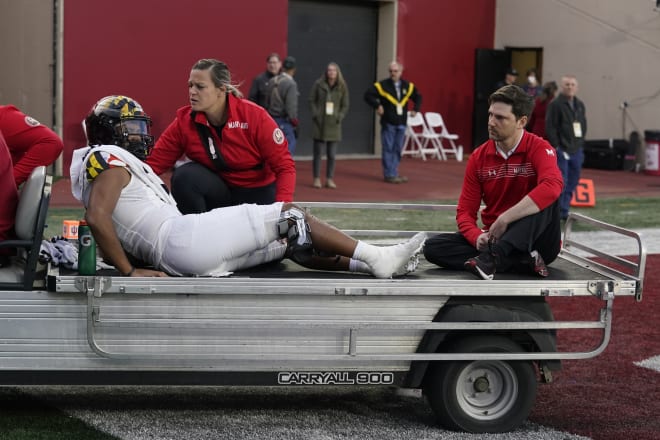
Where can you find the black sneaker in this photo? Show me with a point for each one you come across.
(538, 265)
(483, 266)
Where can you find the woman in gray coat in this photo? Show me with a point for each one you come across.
(329, 103)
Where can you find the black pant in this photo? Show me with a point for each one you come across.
(197, 189)
(540, 232)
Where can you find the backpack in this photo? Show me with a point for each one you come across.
(274, 101)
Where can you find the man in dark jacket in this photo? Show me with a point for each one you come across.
(260, 85)
(390, 98)
(281, 101)
(565, 127)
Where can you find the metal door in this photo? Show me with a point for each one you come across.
(490, 67)
(344, 32)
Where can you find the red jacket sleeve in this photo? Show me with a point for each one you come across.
(168, 149)
(8, 195)
(469, 203)
(275, 151)
(550, 182)
(30, 143)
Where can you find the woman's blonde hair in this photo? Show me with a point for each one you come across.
(340, 78)
(220, 74)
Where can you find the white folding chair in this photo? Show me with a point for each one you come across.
(419, 140)
(436, 125)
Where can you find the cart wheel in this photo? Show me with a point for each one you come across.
(482, 395)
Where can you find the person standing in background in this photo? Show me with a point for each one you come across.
(260, 84)
(510, 78)
(536, 122)
(329, 104)
(390, 98)
(282, 102)
(30, 143)
(566, 127)
(532, 86)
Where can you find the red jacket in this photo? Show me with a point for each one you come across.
(530, 171)
(30, 143)
(8, 196)
(253, 148)
(536, 122)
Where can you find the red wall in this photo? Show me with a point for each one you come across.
(436, 43)
(145, 48)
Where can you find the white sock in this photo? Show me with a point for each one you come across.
(358, 266)
(365, 252)
(388, 261)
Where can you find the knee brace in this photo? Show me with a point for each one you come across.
(296, 230)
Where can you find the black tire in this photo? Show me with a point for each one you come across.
(481, 396)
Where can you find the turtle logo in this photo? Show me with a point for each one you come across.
(278, 136)
(29, 120)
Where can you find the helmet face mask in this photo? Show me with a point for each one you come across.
(120, 120)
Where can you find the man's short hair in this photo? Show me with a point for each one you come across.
(521, 103)
(289, 63)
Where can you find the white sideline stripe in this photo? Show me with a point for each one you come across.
(650, 363)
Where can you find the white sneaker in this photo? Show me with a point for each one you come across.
(399, 259)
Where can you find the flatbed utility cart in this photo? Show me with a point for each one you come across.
(476, 348)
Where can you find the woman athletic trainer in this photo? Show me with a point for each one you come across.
(225, 149)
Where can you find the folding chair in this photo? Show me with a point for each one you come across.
(436, 125)
(419, 140)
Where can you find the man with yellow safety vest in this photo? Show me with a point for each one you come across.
(390, 98)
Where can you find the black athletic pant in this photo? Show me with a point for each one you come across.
(197, 189)
(540, 232)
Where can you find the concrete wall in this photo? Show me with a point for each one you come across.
(611, 46)
(26, 69)
(436, 43)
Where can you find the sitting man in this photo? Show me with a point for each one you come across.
(516, 176)
(131, 213)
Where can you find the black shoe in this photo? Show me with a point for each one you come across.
(483, 266)
(396, 179)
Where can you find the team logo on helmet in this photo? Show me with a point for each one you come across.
(127, 107)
